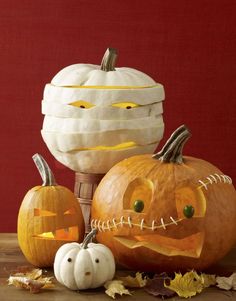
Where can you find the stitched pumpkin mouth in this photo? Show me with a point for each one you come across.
(68, 234)
(190, 246)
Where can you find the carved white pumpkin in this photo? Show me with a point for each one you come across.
(96, 116)
(83, 266)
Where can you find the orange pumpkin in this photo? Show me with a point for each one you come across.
(49, 216)
(166, 212)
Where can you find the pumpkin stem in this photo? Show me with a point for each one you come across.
(109, 60)
(44, 170)
(172, 150)
(88, 238)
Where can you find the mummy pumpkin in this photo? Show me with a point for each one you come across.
(167, 211)
(96, 116)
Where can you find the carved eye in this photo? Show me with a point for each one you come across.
(82, 104)
(125, 105)
(138, 195)
(190, 201)
(40, 212)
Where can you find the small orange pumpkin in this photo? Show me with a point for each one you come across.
(49, 216)
(166, 212)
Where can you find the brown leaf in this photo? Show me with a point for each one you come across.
(31, 280)
(156, 286)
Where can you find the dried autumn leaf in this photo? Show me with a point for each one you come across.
(155, 286)
(208, 280)
(186, 285)
(32, 280)
(137, 281)
(114, 287)
(226, 283)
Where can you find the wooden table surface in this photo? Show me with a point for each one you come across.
(11, 258)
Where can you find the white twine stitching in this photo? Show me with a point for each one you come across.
(153, 225)
(114, 222)
(216, 177)
(106, 225)
(171, 218)
(163, 224)
(129, 222)
(141, 224)
(203, 184)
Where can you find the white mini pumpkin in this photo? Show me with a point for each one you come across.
(96, 116)
(85, 265)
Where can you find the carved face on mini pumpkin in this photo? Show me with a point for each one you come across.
(96, 116)
(163, 212)
(49, 216)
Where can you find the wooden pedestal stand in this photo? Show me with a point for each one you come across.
(85, 186)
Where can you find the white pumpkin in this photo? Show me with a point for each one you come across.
(96, 116)
(83, 266)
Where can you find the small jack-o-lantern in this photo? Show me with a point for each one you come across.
(166, 212)
(96, 116)
(49, 216)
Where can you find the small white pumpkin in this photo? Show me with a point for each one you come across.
(85, 265)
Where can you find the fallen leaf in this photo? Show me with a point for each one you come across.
(186, 285)
(226, 283)
(155, 286)
(208, 280)
(31, 280)
(114, 287)
(137, 281)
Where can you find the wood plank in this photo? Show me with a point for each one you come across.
(11, 257)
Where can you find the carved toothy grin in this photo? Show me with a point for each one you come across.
(68, 234)
(190, 246)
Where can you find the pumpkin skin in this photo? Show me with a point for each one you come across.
(49, 216)
(96, 116)
(188, 210)
(83, 266)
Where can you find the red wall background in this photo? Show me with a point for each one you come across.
(189, 46)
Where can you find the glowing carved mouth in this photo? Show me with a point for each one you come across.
(190, 246)
(114, 147)
(69, 234)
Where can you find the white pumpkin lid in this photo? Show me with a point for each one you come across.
(104, 75)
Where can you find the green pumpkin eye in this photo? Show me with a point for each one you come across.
(188, 211)
(138, 206)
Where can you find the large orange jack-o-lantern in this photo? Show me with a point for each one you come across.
(166, 212)
(49, 216)
(95, 116)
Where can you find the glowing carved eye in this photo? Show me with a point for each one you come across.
(138, 206)
(125, 105)
(138, 195)
(40, 212)
(82, 104)
(188, 211)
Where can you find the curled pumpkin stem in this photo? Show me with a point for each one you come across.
(44, 170)
(172, 150)
(88, 239)
(109, 60)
